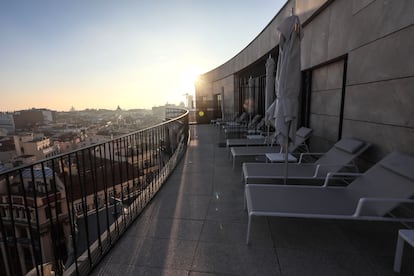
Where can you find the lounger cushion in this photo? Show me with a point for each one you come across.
(399, 163)
(303, 132)
(349, 145)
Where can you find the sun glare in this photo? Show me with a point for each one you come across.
(189, 77)
(191, 74)
(185, 85)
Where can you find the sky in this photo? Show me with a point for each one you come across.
(103, 54)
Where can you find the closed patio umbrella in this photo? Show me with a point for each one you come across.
(269, 92)
(287, 82)
(251, 98)
(270, 113)
(222, 103)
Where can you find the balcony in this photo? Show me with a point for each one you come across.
(196, 225)
(157, 203)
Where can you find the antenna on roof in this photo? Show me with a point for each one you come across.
(291, 12)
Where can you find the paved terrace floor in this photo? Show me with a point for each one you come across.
(196, 226)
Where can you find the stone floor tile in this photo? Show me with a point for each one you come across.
(183, 229)
(227, 211)
(168, 253)
(235, 233)
(235, 259)
(322, 263)
(308, 234)
(182, 206)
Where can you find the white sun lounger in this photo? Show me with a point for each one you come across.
(249, 142)
(302, 135)
(243, 128)
(371, 196)
(341, 155)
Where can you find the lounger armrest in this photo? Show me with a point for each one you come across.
(309, 153)
(328, 165)
(332, 175)
(302, 146)
(365, 201)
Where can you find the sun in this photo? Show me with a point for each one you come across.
(184, 84)
(188, 78)
(191, 74)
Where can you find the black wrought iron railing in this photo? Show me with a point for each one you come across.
(63, 214)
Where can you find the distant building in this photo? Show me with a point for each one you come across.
(24, 160)
(172, 111)
(68, 141)
(7, 151)
(6, 124)
(35, 144)
(47, 116)
(167, 111)
(190, 102)
(158, 111)
(27, 119)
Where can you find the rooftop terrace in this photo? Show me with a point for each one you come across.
(196, 225)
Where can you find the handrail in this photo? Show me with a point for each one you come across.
(186, 112)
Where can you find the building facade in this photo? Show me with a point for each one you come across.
(29, 218)
(357, 69)
(29, 119)
(6, 124)
(35, 144)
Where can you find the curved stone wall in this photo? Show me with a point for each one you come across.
(223, 77)
(357, 66)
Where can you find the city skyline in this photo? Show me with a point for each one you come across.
(103, 54)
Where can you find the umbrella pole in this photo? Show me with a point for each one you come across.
(267, 135)
(286, 154)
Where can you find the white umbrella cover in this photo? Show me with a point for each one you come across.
(288, 76)
(222, 103)
(251, 98)
(270, 113)
(287, 83)
(270, 86)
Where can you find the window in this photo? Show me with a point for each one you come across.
(22, 212)
(2, 212)
(78, 207)
(100, 202)
(16, 213)
(47, 212)
(29, 186)
(59, 207)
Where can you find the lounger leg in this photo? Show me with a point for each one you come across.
(398, 254)
(248, 229)
(234, 162)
